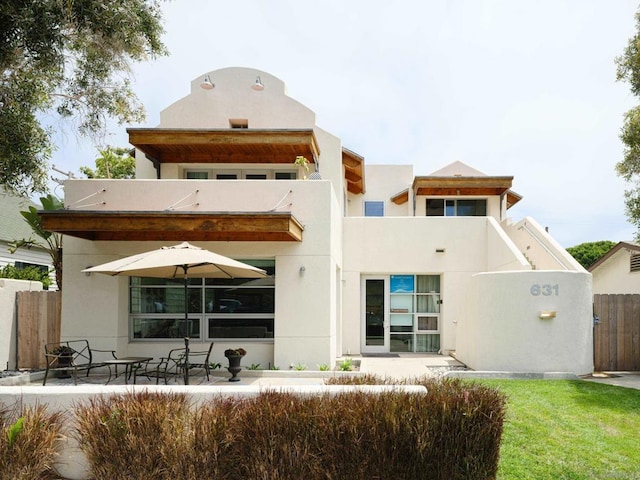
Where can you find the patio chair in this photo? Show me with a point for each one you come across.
(167, 368)
(200, 360)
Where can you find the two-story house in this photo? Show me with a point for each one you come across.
(362, 258)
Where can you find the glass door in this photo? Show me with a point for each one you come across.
(375, 336)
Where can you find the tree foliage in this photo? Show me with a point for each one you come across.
(589, 253)
(113, 162)
(49, 241)
(628, 70)
(69, 58)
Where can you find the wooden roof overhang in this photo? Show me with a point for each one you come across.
(178, 226)
(353, 171)
(180, 145)
(466, 186)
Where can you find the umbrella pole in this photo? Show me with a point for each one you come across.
(186, 321)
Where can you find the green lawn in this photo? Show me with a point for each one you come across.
(557, 429)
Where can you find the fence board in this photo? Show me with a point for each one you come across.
(616, 339)
(38, 319)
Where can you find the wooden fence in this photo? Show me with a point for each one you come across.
(38, 319)
(616, 333)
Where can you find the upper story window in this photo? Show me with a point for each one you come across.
(200, 174)
(373, 209)
(440, 207)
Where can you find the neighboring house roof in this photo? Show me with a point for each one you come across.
(12, 224)
(631, 246)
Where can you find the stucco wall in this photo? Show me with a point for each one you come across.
(408, 245)
(96, 307)
(8, 289)
(501, 328)
(382, 183)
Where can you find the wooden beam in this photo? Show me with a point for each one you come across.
(214, 226)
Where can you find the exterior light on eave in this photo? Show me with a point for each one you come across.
(258, 86)
(207, 84)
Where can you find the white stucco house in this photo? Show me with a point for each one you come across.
(362, 258)
(618, 271)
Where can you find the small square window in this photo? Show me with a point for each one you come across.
(634, 263)
(374, 209)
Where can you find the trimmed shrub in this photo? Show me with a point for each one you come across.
(28, 442)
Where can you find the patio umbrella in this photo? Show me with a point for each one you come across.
(179, 261)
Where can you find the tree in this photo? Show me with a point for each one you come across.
(113, 162)
(590, 252)
(68, 58)
(628, 70)
(49, 241)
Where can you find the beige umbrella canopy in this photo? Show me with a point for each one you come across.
(179, 261)
(176, 262)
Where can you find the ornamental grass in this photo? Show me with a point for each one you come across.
(28, 444)
(452, 432)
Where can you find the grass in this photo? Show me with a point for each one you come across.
(576, 430)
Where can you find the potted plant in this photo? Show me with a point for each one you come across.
(234, 355)
(64, 358)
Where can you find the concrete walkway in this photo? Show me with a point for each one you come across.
(398, 367)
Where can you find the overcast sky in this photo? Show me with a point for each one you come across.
(509, 87)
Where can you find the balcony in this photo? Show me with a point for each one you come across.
(191, 210)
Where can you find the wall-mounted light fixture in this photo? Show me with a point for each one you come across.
(258, 86)
(547, 314)
(302, 270)
(207, 84)
(441, 250)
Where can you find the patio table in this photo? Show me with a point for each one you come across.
(130, 364)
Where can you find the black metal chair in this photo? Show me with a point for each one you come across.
(200, 360)
(167, 368)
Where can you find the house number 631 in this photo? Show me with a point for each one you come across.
(545, 290)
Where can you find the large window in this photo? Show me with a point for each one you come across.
(440, 207)
(218, 308)
(414, 313)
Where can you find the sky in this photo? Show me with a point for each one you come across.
(523, 88)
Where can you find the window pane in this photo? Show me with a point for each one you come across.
(255, 176)
(451, 208)
(197, 175)
(401, 343)
(428, 304)
(240, 300)
(428, 284)
(241, 327)
(428, 343)
(398, 319)
(286, 175)
(472, 208)
(402, 283)
(428, 323)
(165, 328)
(226, 176)
(435, 207)
(374, 209)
